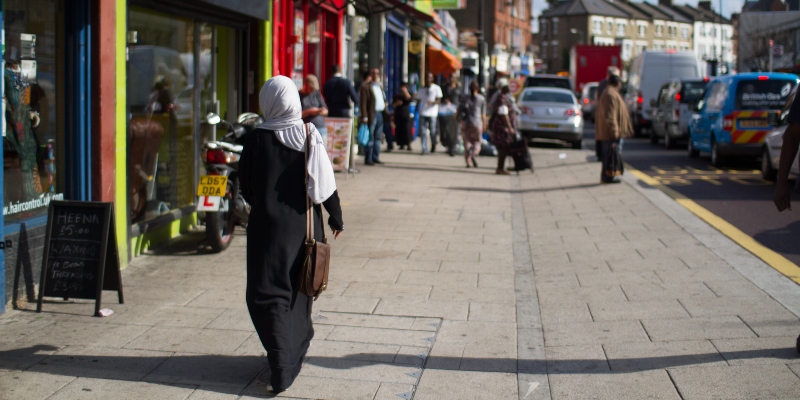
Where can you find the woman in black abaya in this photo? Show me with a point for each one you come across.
(272, 175)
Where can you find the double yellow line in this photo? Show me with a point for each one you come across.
(773, 259)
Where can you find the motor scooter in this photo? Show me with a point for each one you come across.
(219, 197)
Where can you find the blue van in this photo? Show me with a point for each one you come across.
(732, 117)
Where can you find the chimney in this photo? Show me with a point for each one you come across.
(704, 5)
(665, 3)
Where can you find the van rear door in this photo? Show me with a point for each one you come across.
(755, 99)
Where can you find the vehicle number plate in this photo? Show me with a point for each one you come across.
(548, 126)
(212, 185)
(753, 123)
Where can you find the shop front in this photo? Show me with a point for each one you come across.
(308, 38)
(185, 60)
(46, 131)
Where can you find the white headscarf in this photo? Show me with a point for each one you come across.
(280, 105)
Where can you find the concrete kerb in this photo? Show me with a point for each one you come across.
(781, 288)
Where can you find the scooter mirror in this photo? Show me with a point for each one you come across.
(213, 119)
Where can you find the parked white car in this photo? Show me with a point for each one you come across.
(771, 153)
(550, 113)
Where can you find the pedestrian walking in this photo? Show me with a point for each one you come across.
(601, 87)
(428, 98)
(503, 126)
(273, 172)
(448, 125)
(403, 118)
(472, 113)
(339, 92)
(373, 112)
(791, 143)
(314, 108)
(612, 123)
(453, 91)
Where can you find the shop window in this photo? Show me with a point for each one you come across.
(32, 145)
(161, 87)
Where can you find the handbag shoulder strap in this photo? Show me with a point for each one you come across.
(309, 203)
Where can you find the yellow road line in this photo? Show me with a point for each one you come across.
(773, 259)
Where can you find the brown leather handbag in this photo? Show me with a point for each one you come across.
(313, 278)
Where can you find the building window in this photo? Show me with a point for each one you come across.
(659, 30)
(620, 29)
(685, 32)
(714, 32)
(31, 81)
(642, 30)
(543, 26)
(555, 26)
(597, 28)
(544, 51)
(555, 50)
(609, 28)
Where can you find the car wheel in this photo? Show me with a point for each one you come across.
(577, 145)
(690, 150)
(716, 159)
(768, 172)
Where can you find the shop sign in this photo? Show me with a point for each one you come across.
(515, 86)
(449, 4)
(415, 47)
(468, 38)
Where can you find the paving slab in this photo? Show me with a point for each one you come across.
(769, 350)
(577, 359)
(32, 385)
(661, 355)
(661, 330)
(465, 385)
(101, 363)
(189, 340)
(737, 382)
(90, 388)
(634, 385)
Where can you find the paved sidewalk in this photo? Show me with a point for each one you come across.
(448, 283)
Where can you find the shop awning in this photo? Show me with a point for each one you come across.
(440, 62)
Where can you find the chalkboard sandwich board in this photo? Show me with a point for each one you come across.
(80, 252)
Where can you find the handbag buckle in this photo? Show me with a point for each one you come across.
(311, 242)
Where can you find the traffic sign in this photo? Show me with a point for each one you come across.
(515, 86)
(777, 50)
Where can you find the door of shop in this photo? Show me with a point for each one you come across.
(395, 40)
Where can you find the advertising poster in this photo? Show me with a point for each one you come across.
(340, 131)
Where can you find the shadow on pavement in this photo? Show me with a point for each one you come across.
(188, 244)
(232, 374)
(515, 191)
(783, 240)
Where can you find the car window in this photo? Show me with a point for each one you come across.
(663, 96)
(769, 94)
(592, 92)
(549, 97)
(716, 97)
(547, 82)
(692, 92)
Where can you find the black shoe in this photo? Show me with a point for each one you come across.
(474, 163)
(798, 345)
(369, 163)
(378, 162)
(433, 148)
(409, 148)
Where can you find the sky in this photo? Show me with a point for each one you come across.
(728, 6)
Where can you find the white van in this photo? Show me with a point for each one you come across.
(648, 72)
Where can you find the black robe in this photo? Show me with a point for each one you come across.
(272, 181)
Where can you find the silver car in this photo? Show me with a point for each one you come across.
(550, 113)
(672, 109)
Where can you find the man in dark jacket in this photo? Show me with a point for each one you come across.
(372, 111)
(338, 92)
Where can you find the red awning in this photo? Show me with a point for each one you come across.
(441, 62)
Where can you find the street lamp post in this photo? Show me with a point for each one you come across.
(579, 33)
(481, 38)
